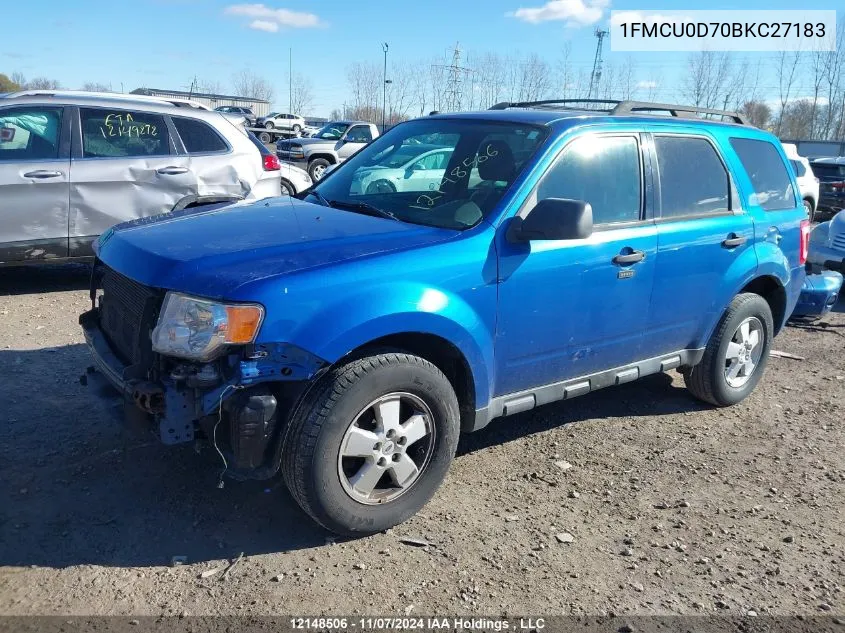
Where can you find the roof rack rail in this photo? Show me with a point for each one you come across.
(629, 107)
(179, 103)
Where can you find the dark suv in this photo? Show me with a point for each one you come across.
(348, 337)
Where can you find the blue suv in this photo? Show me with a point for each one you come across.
(348, 335)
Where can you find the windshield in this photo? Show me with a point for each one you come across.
(462, 169)
(332, 131)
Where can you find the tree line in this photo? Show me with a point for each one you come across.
(793, 94)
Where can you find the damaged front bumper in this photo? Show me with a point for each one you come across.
(238, 402)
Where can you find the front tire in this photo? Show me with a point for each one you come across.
(287, 188)
(317, 168)
(736, 354)
(371, 442)
(269, 125)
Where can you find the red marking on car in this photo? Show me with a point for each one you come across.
(7, 134)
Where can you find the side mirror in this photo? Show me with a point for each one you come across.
(553, 219)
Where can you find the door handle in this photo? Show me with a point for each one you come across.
(172, 171)
(629, 258)
(42, 173)
(733, 241)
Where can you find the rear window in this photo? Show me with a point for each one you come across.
(199, 137)
(767, 172)
(828, 170)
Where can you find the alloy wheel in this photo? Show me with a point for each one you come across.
(743, 352)
(386, 448)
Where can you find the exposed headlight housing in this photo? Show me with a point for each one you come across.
(199, 329)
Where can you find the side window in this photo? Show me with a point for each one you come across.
(119, 133)
(29, 133)
(601, 170)
(359, 134)
(767, 172)
(435, 160)
(693, 180)
(198, 137)
(798, 166)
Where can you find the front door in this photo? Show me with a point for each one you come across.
(574, 307)
(34, 189)
(355, 138)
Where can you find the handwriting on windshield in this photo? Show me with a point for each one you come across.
(427, 201)
(124, 125)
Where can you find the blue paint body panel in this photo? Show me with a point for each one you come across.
(521, 314)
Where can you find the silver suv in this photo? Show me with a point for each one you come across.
(73, 164)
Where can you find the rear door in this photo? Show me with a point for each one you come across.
(704, 240)
(34, 182)
(124, 166)
(219, 169)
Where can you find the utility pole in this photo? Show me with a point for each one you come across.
(290, 82)
(384, 47)
(595, 76)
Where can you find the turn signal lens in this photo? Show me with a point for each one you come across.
(243, 323)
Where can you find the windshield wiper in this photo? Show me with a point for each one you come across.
(362, 207)
(318, 195)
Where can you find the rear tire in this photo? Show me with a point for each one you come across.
(342, 462)
(296, 129)
(264, 137)
(724, 376)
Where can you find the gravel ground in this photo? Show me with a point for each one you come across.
(633, 500)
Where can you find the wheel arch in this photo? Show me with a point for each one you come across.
(772, 290)
(189, 202)
(442, 353)
(325, 155)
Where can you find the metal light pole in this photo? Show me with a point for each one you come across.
(384, 47)
(290, 81)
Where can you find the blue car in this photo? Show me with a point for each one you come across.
(347, 338)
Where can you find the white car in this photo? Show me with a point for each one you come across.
(411, 168)
(294, 179)
(72, 164)
(282, 121)
(808, 184)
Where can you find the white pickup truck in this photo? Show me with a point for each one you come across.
(334, 143)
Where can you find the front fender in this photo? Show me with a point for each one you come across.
(395, 308)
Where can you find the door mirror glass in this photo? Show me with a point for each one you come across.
(553, 219)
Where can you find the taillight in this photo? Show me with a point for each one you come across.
(837, 185)
(271, 163)
(804, 247)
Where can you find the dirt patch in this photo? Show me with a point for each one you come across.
(633, 500)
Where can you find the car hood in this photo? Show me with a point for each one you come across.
(306, 141)
(214, 253)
